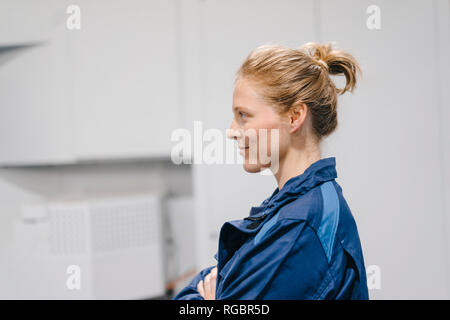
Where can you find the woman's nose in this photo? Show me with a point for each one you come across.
(233, 132)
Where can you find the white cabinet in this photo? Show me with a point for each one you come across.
(33, 84)
(125, 63)
(24, 21)
(217, 36)
(108, 90)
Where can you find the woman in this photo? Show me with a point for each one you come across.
(301, 242)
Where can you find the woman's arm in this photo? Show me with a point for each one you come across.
(287, 263)
(190, 292)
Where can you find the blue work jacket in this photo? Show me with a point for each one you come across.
(300, 243)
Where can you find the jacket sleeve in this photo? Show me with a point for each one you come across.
(287, 263)
(190, 291)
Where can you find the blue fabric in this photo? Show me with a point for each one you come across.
(330, 217)
(265, 228)
(300, 243)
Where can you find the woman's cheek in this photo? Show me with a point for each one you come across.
(262, 147)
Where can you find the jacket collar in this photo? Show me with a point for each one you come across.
(320, 171)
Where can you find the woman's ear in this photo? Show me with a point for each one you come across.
(297, 116)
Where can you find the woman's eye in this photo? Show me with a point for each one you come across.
(242, 114)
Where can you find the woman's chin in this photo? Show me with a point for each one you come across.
(252, 168)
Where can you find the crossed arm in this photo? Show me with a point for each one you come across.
(284, 266)
(202, 287)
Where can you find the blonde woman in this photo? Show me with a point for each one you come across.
(302, 241)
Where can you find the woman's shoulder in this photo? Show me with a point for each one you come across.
(304, 207)
(322, 208)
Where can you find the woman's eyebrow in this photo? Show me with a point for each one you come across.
(235, 108)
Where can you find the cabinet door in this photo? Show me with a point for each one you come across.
(388, 144)
(107, 90)
(124, 78)
(33, 83)
(24, 21)
(226, 33)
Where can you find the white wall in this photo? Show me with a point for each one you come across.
(389, 143)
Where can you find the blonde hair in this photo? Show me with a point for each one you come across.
(288, 76)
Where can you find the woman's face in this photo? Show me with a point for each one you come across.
(261, 132)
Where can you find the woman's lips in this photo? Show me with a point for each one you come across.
(242, 150)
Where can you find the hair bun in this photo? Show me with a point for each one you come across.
(318, 52)
(322, 63)
(336, 62)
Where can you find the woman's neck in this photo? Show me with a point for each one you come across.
(295, 162)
